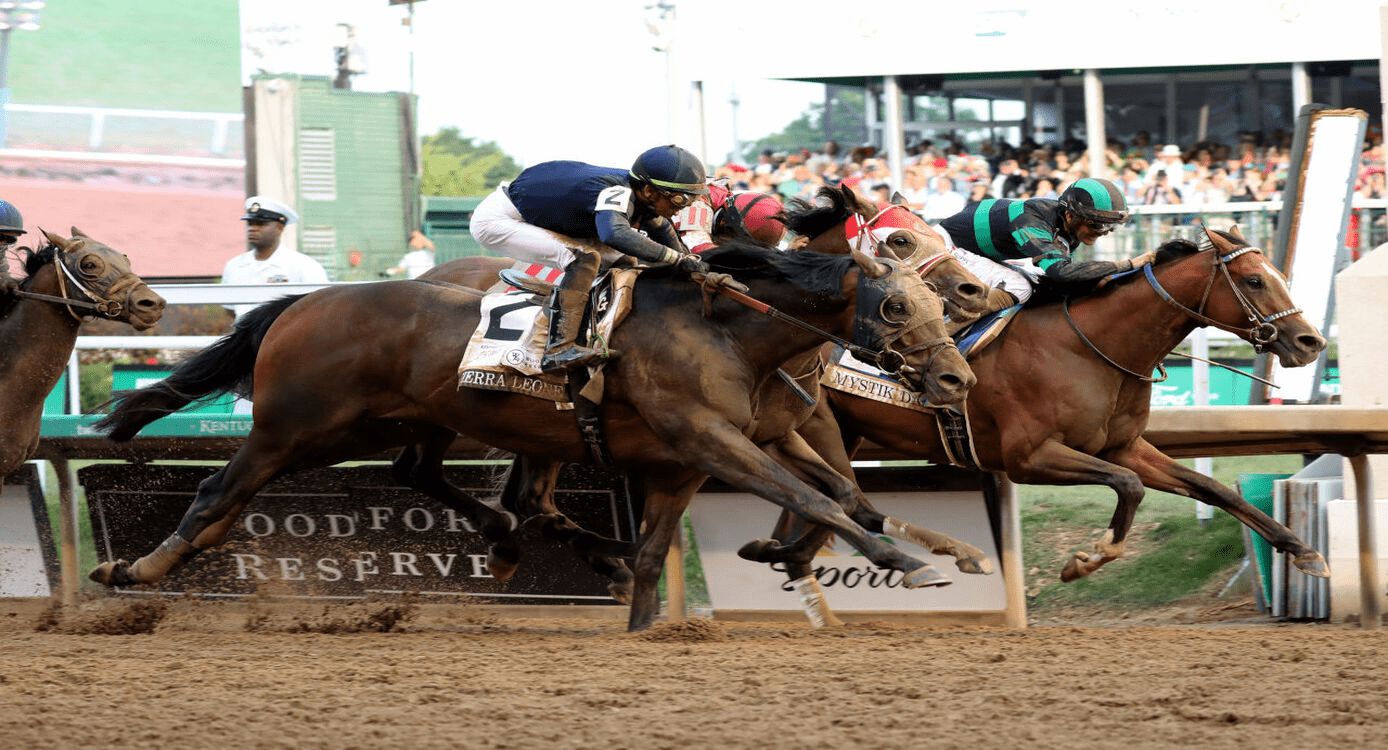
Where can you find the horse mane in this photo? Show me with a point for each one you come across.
(811, 218)
(815, 273)
(33, 261)
(1048, 291)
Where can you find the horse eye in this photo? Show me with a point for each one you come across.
(1255, 282)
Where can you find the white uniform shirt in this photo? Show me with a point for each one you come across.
(282, 267)
(417, 262)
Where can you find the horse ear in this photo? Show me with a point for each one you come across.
(62, 242)
(898, 199)
(79, 233)
(870, 265)
(1219, 241)
(1234, 230)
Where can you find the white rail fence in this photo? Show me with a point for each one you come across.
(119, 134)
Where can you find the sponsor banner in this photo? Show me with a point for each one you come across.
(348, 532)
(723, 522)
(861, 379)
(28, 561)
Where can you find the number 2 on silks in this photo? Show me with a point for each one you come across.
(615, 198)
(497, 328)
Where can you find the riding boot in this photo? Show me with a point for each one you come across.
(567, 304)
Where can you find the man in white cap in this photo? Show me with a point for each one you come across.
(266, 262)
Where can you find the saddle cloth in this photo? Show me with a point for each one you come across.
(504, 352)
(848, 374)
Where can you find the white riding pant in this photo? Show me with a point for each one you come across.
(498, 226)
(1010, 277)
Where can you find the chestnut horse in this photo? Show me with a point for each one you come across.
(67, 280)
(350, 371)
(1063, 395)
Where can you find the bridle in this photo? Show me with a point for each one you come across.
(108, 307)
(870, 309)
(864, 235)
(1261, 332)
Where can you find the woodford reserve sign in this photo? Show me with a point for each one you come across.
(348, 532)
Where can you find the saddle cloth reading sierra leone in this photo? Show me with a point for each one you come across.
(504, 352)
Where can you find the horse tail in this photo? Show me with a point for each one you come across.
(224, 367)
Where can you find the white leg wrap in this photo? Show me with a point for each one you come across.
(812, 600)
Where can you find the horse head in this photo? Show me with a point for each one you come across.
(901, 319)
(1261, 297)
(1236, 289)
(91, 276)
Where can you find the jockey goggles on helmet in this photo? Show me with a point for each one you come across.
(1098, 203)
(674, 172)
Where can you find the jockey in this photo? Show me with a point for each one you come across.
(695, 223)
(532, 217)
(11, 228)
(987, 235)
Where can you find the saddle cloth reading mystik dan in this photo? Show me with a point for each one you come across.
(504, 352)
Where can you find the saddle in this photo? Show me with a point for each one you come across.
(978, 334)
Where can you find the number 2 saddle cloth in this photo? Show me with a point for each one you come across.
(504, 352)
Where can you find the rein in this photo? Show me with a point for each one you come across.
(1260, 331)
(888, 359)
(107, 307)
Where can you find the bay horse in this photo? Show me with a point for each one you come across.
(66, 281)
(531, 481)
(1063, 396)
(350, 371)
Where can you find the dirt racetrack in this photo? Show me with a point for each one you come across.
(277, 675)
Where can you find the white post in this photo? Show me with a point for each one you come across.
(69, 566)
(1301, 87)
(700, 143)
(1200, 391)
(894, 137)
(1094, 121)
(1013, 574)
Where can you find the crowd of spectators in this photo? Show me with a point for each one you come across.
(940, 178)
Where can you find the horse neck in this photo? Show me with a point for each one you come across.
(1133, 325)
(38, 337)
(770, 343)
(834, 241)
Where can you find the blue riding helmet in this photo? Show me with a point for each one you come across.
(1095, 200)
(10, 220)
(670, 168)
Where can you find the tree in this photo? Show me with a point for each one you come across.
(458, 166)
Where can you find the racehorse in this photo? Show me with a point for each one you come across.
(1063, 395)
(346, 372)
(531, 481)
(67, 280)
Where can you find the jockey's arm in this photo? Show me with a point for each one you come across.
(660, 244)
(1058, 266)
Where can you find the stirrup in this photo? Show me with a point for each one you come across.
(571, 357)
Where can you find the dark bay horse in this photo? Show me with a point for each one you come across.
(531, 481)
(67, 280)
(1063, 395)
(351, 371)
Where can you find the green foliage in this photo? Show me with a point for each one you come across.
(95, 385)
(458, 166)
(131, 53)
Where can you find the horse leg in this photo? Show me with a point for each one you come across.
(219, 501)
(1161, 472)
(529, 492)
(1057, 464)
(420, 467)
(667, 493)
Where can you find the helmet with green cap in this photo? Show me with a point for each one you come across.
(671, 169)
(1095, 200)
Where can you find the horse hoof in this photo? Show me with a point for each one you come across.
(1073, 569)
(756, 549)
(980, 567)
(110, 574)
(1312, 564)
(499, 568)
(926, 575)
(620, 592)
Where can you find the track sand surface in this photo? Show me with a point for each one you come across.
(376, 675)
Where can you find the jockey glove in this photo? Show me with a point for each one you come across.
(691, 264)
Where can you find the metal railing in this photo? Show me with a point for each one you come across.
(116, 133)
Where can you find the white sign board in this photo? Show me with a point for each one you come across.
(1325, 186)
(723, 522)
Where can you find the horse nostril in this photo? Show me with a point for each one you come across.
(1314, 343)
(151, 303)
(970, 291)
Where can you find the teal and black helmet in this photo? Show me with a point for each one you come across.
(10, 220)
(670, 168)
(1095, 200)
